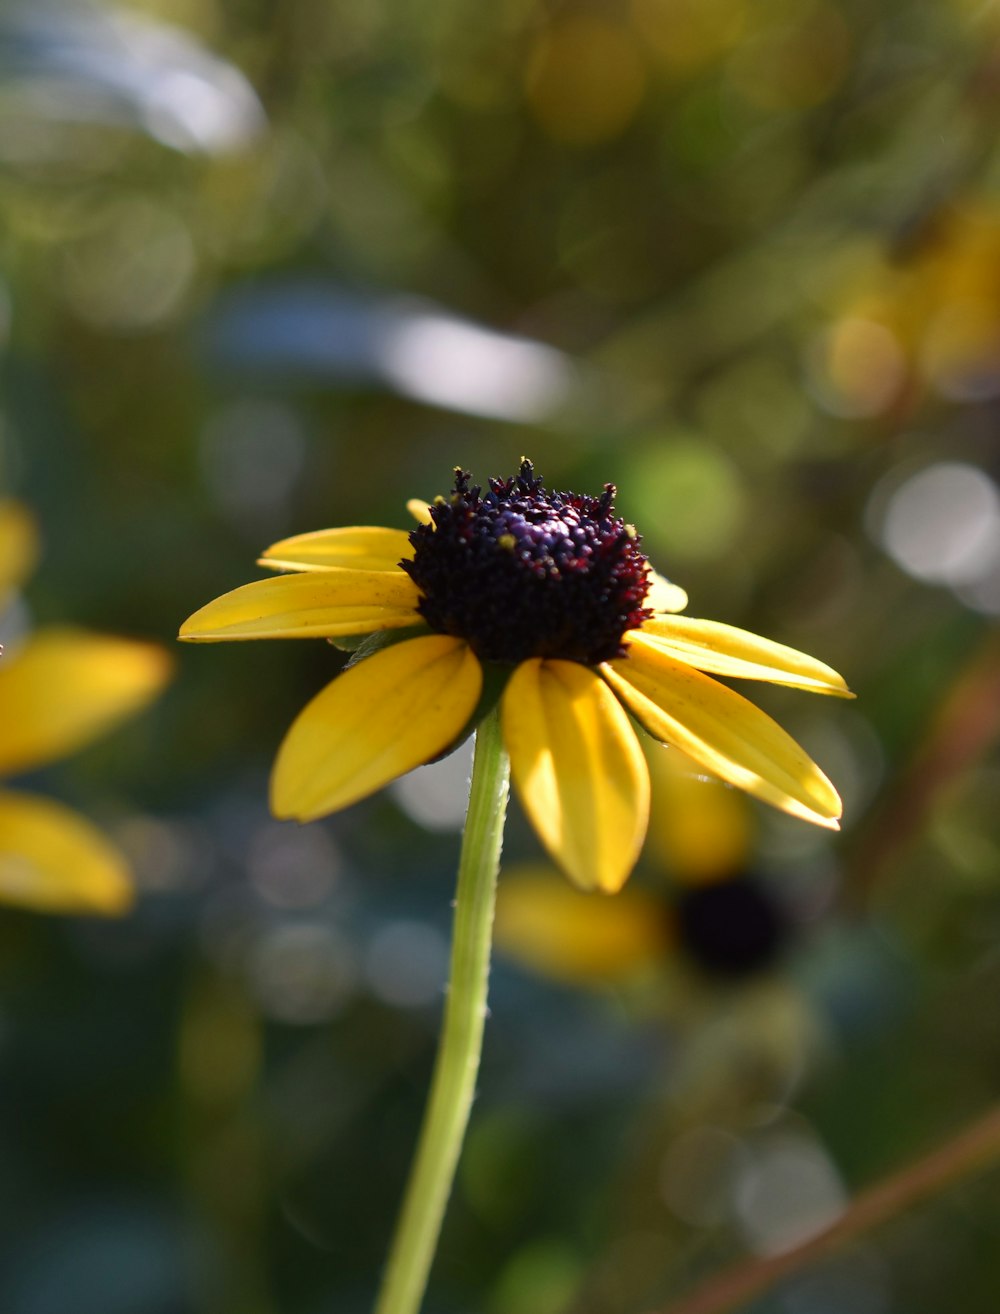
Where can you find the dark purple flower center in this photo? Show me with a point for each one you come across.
(521, 572)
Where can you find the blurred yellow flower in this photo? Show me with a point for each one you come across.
(59, 689)
(549, 596)
(707, 907)
(686, 35)
(930, 313)
(556, 931)
(700, 832)
(585, 80)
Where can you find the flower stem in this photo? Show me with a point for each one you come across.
(454, 1082)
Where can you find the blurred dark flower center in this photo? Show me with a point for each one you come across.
(733, 927)
(520, 572)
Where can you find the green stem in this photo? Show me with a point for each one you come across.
(454, 1082)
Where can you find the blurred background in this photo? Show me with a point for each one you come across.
(268, 269)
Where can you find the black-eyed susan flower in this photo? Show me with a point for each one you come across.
(549, 596)
(730, 929)
(61, 688)
(704, 906)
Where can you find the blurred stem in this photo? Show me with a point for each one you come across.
(962, 730)
(974, 1149)
(454, 1082)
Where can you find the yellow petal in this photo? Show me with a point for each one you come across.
(64, 687)
(379, 719)
(420, 510)
(18, 546)
(54, 860)
(358, 547)
(556, 930)
(664, 596)
(700, 829)
(726, 650)
(578, 769)
(315, 604)
(722, 730)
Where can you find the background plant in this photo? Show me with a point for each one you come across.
(743, 268)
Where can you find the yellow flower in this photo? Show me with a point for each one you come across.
(707, 908)
(59, 689)
(555, 931)
(548, 597)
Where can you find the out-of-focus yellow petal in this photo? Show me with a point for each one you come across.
(556, 930)
(578, 769)
(664, 596)
(723, 731)
(359, 547)
(64, 687)
(699, 828)
(726, 650)
(18, 546)
(379, 719)
(53, 860)
(315, 604)
(420, 510)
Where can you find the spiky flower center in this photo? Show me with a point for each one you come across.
(521, 572)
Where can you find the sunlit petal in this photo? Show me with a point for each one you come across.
(390, 713)
(359, 547)
(64, 687)
(18, 546)
(726, 650)
(53, 860)
(728, 735)
(664, 596)
(315, 604)
(419, 510)
(578, 770)
(549, 926)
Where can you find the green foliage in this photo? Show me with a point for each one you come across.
(741, 259)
